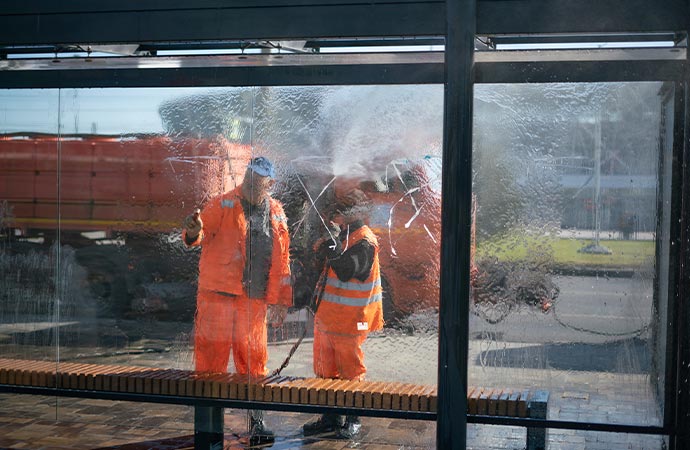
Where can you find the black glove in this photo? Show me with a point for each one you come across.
(193, 224)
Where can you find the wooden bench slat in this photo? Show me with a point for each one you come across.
(323, 392)
(415, 398)
(473, 400)
(159, 383)
(337, 386)
(313, 393)
(350, 389)
(483, 402)
(276, 391)
(387, 394)
(503, 403)
(511, 410)
(285, 390)
(406, 398)
(263, 387)
(493, 402)
(424, 398)
(522, 403)
(368, 390)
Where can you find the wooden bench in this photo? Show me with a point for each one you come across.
(370, 395)
(278, 389)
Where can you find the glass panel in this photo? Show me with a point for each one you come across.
(30, 259)
(376, 151)
(359, 166)
(563, 175)
(131, 171)
(566, 179)
(359, 176)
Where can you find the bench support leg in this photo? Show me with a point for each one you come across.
(537, 438)
(208, 428)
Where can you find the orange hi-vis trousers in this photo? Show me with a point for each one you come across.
(223, 323)
(339, 355)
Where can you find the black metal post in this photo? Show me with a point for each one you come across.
(451, 431)
(681, 438)
(208, 428)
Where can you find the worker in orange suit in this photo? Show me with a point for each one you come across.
(349, 306)
(244, 275)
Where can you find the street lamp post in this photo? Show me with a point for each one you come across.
(596, 247)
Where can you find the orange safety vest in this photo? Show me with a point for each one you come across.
(223, 253)
(353, 307)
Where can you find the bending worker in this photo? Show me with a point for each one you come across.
(348, 306)
(244, 273)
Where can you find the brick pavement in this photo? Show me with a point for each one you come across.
(65, 423)
(36, 422)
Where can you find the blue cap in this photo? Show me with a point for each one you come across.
(262, 166)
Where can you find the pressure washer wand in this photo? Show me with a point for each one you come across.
(316, 301)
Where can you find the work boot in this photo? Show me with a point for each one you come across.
(350, 429)
(324, 424)
(258, 433)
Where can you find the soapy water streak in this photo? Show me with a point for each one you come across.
(191, 159)
(347, 239)
(430, 235)
(397, 172)
(390, 218)
(313, 205)
(301, 221)
(418, 209)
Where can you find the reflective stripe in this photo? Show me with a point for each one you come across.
(353, 285)
(285, 281)
(348, 301)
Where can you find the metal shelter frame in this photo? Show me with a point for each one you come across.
(155, 26)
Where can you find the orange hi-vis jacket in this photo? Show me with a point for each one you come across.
(353, 307)
(223, 253)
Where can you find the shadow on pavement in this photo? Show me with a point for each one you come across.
(623, 356)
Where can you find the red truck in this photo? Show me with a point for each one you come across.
(121, 200)
(110, 183)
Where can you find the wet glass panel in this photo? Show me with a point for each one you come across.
(147, 174)
(566, 179)
(31, 262)
(348, 157)
(358, 177)
(133, 168)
